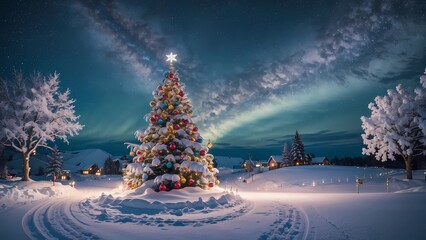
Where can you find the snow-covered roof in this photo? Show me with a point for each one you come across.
(277, 158)
(318, 159)
(84, 159)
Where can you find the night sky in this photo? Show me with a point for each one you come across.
(256, 71)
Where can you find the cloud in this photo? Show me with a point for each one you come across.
(359, 42)
(125, 38)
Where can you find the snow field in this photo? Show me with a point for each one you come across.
(276, 205)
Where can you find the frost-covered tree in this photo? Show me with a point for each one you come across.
(421, 102)
(34, 112)
(396, 126)
(297, 152)
(171, 153)
(54, 168)
(286, 157)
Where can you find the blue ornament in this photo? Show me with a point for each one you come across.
(160, 121)
(177, 102)
(200, 140)
(197, 154)
(163, 105)
(169, 165)
(145, 177)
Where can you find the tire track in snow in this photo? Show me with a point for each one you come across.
(54, 220)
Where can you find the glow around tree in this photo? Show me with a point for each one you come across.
(172, 151)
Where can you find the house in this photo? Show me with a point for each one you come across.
(320, 161)
(90, 161)
(274, 162)
(254, 166)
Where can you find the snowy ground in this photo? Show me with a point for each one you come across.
(311, 202)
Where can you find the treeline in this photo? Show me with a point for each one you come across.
(419, 162)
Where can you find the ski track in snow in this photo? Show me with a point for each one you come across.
(323, 228)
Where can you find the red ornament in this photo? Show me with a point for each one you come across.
(176, 126)
(162, 187)
(153, 120)
(156, 117)
(177, 84)
(191, 181)
(164, 96)
(160, 87)
(171, 76)
(177, 185)
(195, 129)
(181, 93)
(211, 185)
(138, 152)
(186, 121)
(141, 159)
(172, 146)
(202, 153)
(175, 112)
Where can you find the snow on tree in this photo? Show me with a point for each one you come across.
(297, 152)
(54, 168)
(171, 153)
(396, 126)
(421, 101)
(286, 157)
(34, 112)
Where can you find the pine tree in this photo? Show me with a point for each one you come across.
(297, 150)
(54, 168)
(171, 152)
(286, 157)
(4, 172)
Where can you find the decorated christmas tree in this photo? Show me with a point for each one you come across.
(172, 153)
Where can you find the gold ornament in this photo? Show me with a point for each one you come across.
(132, 154)
(171, 107)
(183, 180)
(152, 104)
(217, 182)
(196, 159)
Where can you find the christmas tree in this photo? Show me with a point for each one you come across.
(297, 150)
(171, 153)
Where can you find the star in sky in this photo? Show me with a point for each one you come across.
(171, 58)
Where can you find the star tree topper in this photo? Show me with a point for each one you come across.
(171, 58)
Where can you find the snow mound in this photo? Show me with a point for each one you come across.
(183, 206)
(12, 193)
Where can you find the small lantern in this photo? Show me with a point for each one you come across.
(85, 172)
(98, 173)
(209, 144)
(64, 177)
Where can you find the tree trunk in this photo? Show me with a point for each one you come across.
(408, 168)
(26, 166)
